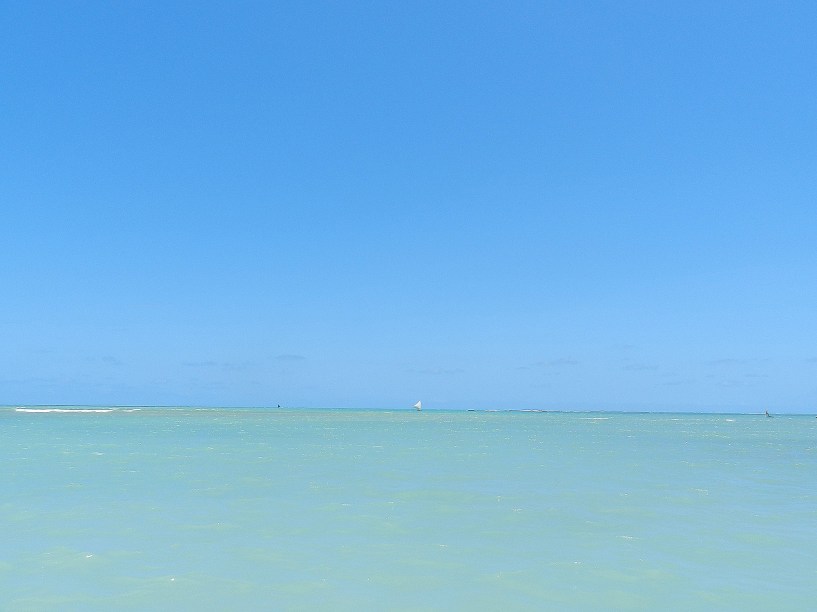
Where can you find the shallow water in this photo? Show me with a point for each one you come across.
(176, 509)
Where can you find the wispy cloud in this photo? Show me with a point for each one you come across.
(562, 361)
(551, 364)
(678, 382)
(437, 371)
(639, 367)
(622, 347)
(732, 383)
(35, 380)
(235, 366)
(556, 363)
(733, 361)
(239, 366)
(109, 360)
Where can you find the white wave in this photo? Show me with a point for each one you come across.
(63, 409)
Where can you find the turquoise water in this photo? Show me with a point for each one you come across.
(183, 509)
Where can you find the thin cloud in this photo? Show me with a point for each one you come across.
(622, 347)
(289, 357)
(551, 364)
(223, 365)
(437, 371)
(729, 361)
(37, 380)
(105, 360)
(733, 383)
(639, 367)
(732, 361)
(677, 382)
(555, 363)
(238, 366)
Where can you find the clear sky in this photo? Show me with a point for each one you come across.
(598, 205)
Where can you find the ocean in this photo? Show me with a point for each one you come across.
(273, 509)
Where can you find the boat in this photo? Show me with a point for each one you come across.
(418, 406)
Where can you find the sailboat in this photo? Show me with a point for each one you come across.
(418, 406)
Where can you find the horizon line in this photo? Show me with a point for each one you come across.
(408, 407)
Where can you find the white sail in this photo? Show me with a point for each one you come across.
(418, 405)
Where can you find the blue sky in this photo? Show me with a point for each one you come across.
(580, 205)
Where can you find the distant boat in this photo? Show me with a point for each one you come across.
(418, 406)
(768, 415)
